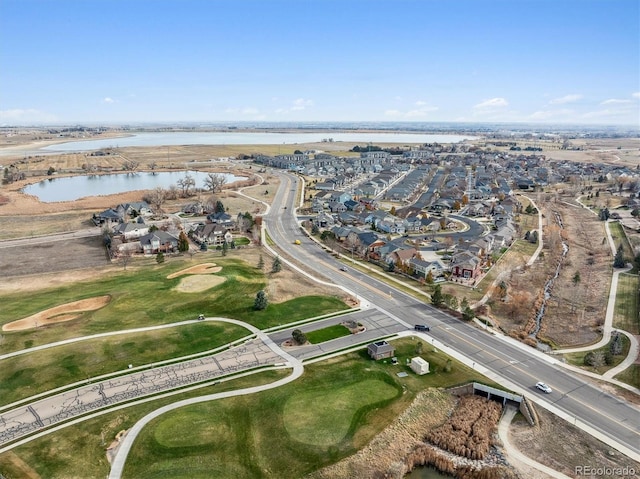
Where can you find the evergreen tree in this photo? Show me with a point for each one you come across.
(436, 297)
(183, 242)
(276, 267)
(618, 260)
(219, 207)
(298, 336)
(261, 263)
(261, 301)
(160, 257)
(225, 248)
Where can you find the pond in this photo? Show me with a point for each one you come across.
(76, 187)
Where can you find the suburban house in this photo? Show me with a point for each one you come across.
(380, 350)
(107, 216)
(138, 208)
(129, 231)
(158, 241)
(210, 233)
(465, 265)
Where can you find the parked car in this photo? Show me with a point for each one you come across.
(544, 388)
(422, 327)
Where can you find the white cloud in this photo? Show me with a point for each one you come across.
(601, 114)
(301, 104)
(108, 99)
(550, 114)
(636, 94)
(492, 104)
(615, 101)
(246, 111)
(26, 116)
(421, 103)
(565, 99)
(421, 112)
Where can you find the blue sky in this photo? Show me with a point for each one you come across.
(117, 61)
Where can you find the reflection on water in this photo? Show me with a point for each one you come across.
(75, 187)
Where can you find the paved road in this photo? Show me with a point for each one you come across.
(614, 421)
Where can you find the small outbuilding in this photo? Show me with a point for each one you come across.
(380, 350)
(419, 365)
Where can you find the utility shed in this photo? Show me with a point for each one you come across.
(419, 365)
(380, 350)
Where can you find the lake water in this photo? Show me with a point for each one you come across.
(73, 188)
(250, 138)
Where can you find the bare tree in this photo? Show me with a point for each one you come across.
(157, 198)
(130, 165)
(125, 257)
(215, 181)
(186, 184)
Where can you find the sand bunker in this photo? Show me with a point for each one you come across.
(197, 283)
(58, 314)
(203, 268)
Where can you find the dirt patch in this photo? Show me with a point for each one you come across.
(197, 283)
(561, 446)
(203, 268)
(58, 314)
(576, 309)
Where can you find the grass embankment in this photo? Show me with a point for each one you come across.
(620, 238)
(143, 296)
(40, 371)
(333, 410)
(631, 375)
(625, 315)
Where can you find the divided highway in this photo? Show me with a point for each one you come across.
(613, 420)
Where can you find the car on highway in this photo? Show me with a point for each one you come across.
(543, 387)
(422, 327)
(343, 268)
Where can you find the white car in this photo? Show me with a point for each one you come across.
(544, 388)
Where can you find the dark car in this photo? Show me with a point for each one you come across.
(422, 327)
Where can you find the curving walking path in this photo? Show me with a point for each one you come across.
(117, 465)
(516, 458)
(53, 410)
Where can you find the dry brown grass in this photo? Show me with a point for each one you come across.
(468, 431)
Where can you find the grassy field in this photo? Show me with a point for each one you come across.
(329, 413)
(145, 297)
(78, 452)
(619, 237)
(29, 374)
(327, 334)
(235, 437)
(631, 375)
(17, 227)
(577, 359)
(626, 310)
